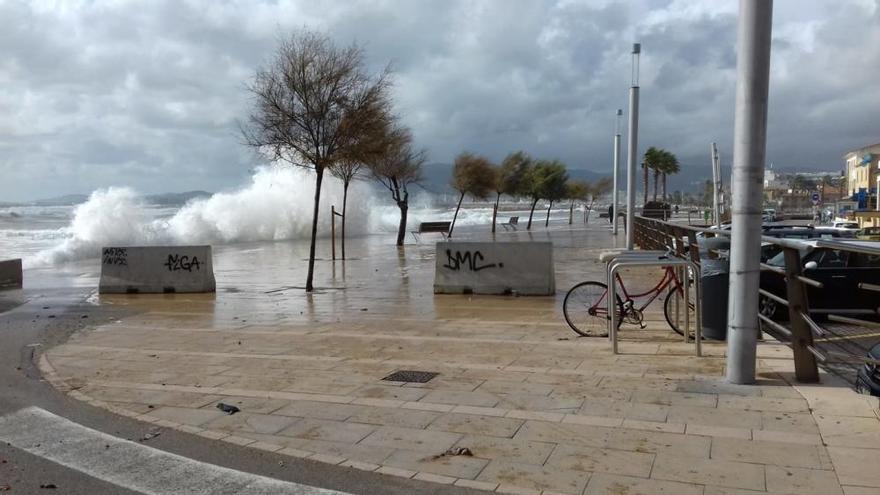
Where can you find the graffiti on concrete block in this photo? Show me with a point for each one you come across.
(178, 262)
(468, 260)
(114, 256)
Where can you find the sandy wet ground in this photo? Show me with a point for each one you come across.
(519, 404)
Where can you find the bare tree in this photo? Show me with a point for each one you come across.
(353, 163)
(398, 168)
(509, 177)
(472, 174)
(313, 103)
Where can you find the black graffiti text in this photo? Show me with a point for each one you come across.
(114, 256)
(471, 261)
(178, 262)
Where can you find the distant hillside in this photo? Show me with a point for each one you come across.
(66, 200)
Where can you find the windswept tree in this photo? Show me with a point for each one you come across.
(598, 189)
(313, 103)
(398, 168)
(472, 174)
(509, 178)
(545, 179)
(576, 190)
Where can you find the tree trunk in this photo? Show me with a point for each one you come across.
(495, 211)
(531, 213)
(456, 215)
(590, 210)
(319, 177)
(656, 182)
(547, 222)
(344, 202)
(645, 181)
(664, 186)
(571, 213)
(401, 229)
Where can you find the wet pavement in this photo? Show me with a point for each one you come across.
(519, 405)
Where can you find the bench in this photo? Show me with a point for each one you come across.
(432, 227)
(511, 224)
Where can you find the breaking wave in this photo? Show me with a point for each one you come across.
(276, 205)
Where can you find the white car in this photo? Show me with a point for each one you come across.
(845, 225)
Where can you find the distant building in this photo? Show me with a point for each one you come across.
(862, 170)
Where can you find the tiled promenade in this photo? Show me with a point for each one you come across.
(539, 410)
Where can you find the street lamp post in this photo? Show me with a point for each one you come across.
(614, 199)
(632, 141)
(749, 147)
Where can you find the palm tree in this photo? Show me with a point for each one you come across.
(653, 157)
(670, 166)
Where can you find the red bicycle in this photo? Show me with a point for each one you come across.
(586, 305)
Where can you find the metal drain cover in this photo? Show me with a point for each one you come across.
(411, 376)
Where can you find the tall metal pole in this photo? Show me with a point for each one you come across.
(614, 199)
(716, 179)
(632, 145)
(749, 146)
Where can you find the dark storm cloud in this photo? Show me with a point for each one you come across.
(148, 94)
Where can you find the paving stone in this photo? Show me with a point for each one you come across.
(717, 386)
(485, 411)
(787, 437)
(447, 465)
(284, 441)
(666, 398)
(624, 409)
(659, 442)
(719, 431)
(393, 393)
(572, 434)
(187, 416)
(859, 490)
(791, 422)
(513, 387)
(459, 397)
(552, 417)
(849, 431)
(601, 460)
(534, 477)
(708, 471)
(332, 431)
(357, 452)
(540, 403)
(610, 484)
(266, 424)
(592, 420)
(393, 417)
(653, 426)
(512, 450)
(319, 410)
(714, 417)
(854, 466)
(477, 425)
(772, 404)
(434, 442)
(252, 404)
(761, 452)
(799, 481)
(477, 485)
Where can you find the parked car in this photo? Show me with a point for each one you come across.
(769, 250)
(868, 379)
(869, 234)
(768, 215)
(840, 273)
(845, 225)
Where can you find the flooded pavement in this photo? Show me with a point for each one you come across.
(518, 402)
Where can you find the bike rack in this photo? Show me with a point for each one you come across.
(661, 259)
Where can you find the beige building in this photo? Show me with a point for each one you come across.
(862, 170)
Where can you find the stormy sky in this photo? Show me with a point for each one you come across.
(149, 94)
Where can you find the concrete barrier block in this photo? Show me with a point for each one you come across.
(156, 270)
(10, 274)
(523, 268)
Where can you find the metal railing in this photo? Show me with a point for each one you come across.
(801, 329)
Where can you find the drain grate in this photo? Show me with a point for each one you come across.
(411, 376)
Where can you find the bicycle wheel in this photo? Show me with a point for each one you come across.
(669, 311)
(586, 309)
